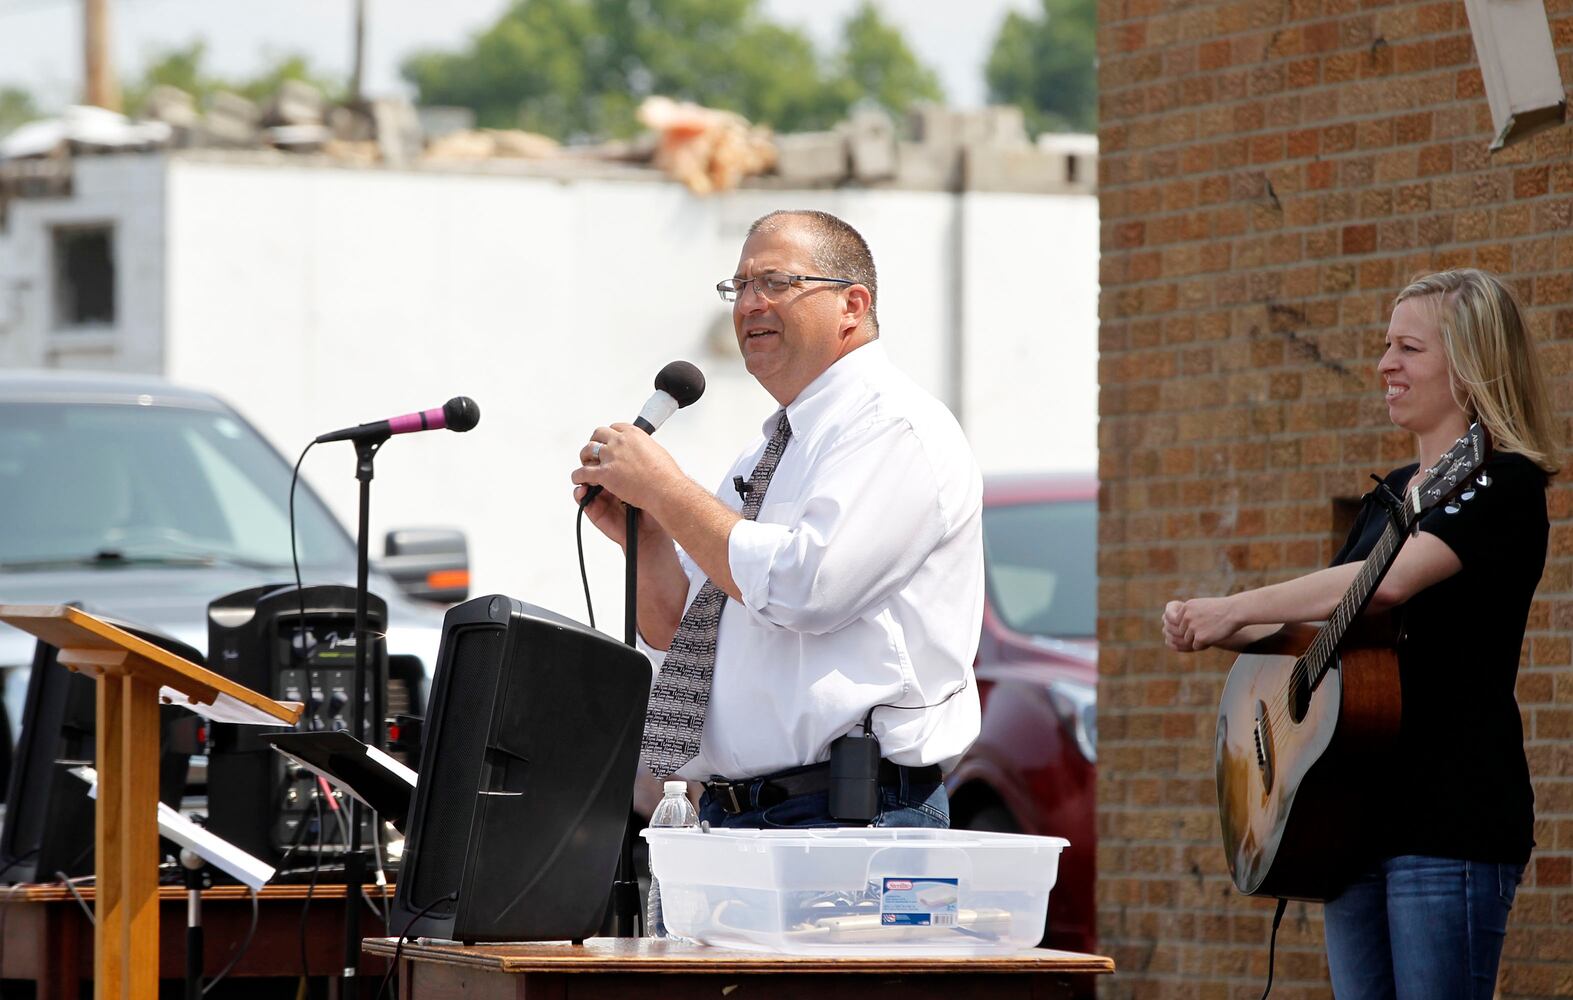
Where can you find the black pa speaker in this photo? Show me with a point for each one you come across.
(527, 771)
(257, 636)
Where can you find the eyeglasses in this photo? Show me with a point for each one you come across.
(770, 284)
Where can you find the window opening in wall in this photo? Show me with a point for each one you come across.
(84, 276)
(1345, 511)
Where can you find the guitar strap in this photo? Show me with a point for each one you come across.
(1390, 501)
(1384, 495)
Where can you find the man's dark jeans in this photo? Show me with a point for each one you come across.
(906, 803)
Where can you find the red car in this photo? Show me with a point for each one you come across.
(1034, 766)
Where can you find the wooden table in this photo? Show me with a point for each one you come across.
(45, 937)
(643, 969)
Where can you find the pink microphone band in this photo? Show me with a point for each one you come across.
(425, 420)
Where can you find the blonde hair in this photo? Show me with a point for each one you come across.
(1493, 360)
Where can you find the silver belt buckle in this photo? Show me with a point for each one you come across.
(730, 805)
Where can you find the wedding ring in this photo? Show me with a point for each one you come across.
(595, 451)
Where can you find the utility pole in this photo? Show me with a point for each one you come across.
(101, 87)
(357, 93)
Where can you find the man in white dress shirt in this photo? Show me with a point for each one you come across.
(848, 594)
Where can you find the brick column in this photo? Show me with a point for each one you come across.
(1271, 173)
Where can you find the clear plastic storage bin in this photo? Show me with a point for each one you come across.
(856, 891)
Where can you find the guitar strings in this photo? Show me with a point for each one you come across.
(1281, 707)
(1462, 461)
(1384, 550)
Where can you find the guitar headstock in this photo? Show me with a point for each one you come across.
(1454, 468)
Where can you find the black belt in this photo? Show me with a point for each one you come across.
(732, 794)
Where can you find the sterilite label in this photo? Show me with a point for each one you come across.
(920, 902)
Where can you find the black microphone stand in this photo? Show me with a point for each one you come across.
(195, 877)
(625, 887)
(354, 859)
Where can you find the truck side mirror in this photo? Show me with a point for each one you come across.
(428, 564)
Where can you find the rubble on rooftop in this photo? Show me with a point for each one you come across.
(706, 149)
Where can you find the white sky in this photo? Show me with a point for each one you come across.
(40, 46)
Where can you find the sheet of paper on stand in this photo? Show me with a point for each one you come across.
(213, 849)
(220, 709)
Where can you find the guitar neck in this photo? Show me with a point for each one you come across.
(1320, 654)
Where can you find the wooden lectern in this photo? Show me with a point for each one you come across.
(134, 676)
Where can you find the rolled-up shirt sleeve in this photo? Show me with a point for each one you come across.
(861, 529)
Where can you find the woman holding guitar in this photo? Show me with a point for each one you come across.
(1423, 912)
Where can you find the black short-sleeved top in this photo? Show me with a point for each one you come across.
(1460, 787)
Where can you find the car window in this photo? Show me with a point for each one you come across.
(1041, 561)
(80, 480)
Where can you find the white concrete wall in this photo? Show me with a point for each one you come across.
(1030, 366)
(313, 297)
(126, 192)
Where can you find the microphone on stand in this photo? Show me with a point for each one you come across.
(458, 414)
(677, 385)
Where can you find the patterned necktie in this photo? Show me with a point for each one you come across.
(676, 718)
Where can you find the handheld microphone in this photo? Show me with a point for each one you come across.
(458, 414)
(677, 385)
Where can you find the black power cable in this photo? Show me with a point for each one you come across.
(244, 944)
(305, 910)
(398, 949)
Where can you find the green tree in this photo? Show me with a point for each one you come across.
(537, 59)
(180, 68)
(1046, 65)
(16, 108)
(877, 65)
(579, 68)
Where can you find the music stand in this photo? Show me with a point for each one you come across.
(365, 773)
(199, 846)
(134, 676)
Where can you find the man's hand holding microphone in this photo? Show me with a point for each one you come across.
(628, 464)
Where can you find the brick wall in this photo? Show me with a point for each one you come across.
(1271, 173)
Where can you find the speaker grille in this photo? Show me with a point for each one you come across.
(454, 773)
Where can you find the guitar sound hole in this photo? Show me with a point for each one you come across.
(1299, 696)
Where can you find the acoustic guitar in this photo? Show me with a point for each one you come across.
(1305, 709)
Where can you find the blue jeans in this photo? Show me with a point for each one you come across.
(1420, 928)
(906, 803)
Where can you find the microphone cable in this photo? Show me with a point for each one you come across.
(913, 708)
(868, 719)
(294, 555)
(244, 944)
(584, 577)
(305, 910)
(381, 881)
(326, 792)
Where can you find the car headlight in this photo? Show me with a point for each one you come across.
(1076, 703)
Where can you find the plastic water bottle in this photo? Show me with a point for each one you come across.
(674, 812)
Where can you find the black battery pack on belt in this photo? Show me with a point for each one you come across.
(854, 777)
